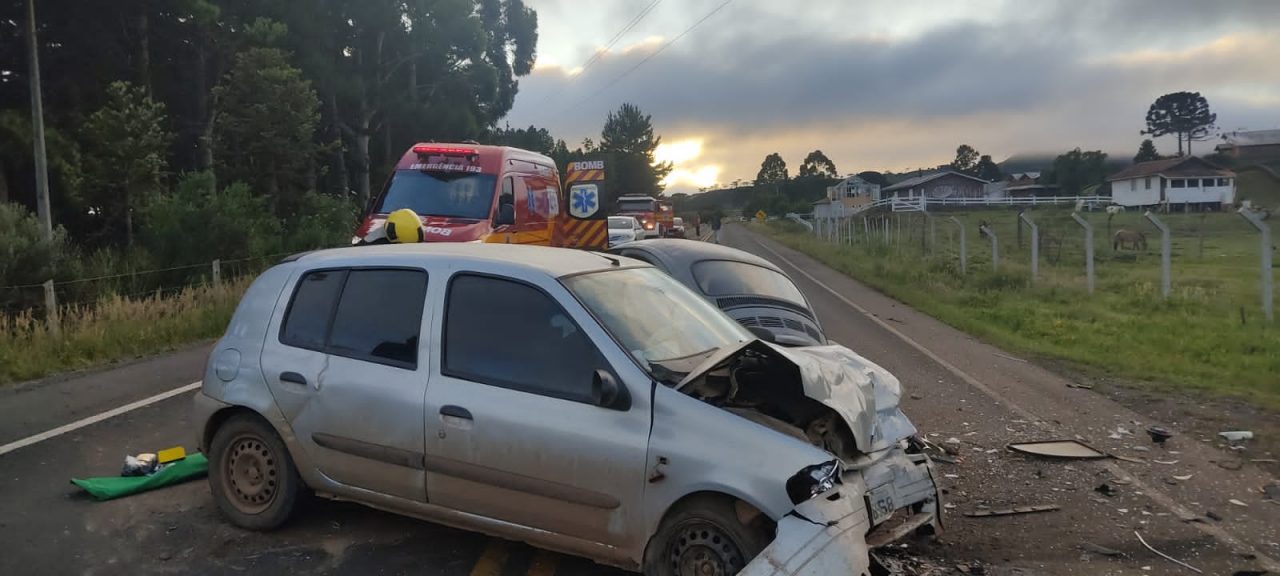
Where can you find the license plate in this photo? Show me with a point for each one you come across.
(882, 502)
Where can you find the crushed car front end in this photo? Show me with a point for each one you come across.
(879, 487)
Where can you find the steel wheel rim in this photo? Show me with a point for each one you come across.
(251, 474)
(703, 549)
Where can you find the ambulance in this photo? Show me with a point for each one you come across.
(475, 193)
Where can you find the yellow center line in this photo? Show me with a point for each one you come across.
(544, 564)
(492, 560)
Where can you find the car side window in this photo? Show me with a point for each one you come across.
(549, 354)
(379, 317)
(306, 323)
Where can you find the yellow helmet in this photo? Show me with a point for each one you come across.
(404, 226)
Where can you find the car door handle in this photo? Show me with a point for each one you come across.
(293, 378)
(455, 412)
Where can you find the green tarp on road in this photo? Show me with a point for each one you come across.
(107, 488)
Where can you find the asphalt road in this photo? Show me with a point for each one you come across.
(962, 394)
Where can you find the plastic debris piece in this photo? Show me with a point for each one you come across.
(1238, 503)
(1272, 491)
(1166, 462)
(1237, 435)
(1183, 478)
(1159, 434)
(1103, 550)
(1210, 514)
(1012, 511)
(1057, 449)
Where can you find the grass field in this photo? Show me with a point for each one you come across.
(1209, 336)
(115, 329)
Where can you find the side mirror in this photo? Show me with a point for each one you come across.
(607, 393)
(506, 215)
(764, 334)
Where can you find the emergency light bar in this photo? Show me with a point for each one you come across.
(444, 150)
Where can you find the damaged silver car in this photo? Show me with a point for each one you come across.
(583, 403)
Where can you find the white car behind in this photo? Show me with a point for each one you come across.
(623, 229)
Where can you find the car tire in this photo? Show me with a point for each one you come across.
(704, 536)
(251, 475)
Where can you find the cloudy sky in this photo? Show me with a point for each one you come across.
(895, 84)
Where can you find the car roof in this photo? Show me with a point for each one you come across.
(556, 262)
(683, 253)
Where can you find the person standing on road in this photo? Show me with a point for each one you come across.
(715, 230)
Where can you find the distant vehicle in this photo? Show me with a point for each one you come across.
(619, 417)
(748, 288)
(655, 215)
(677, 228)
(624, 229)
(468, 193)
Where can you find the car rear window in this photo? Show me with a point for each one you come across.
(445, 194)
(306, 324)
(379, 316)
(365, 314)
(729, 278)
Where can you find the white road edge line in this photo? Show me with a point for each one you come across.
(1115, 469)
(112, 413)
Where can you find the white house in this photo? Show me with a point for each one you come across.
(1187, 181)
(853, 191)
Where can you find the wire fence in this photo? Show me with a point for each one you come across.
(1221, 259)
(43, 298)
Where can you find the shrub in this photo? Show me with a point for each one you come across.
(27, 258)
(193, 227)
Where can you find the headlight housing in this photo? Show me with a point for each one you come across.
(815, 480)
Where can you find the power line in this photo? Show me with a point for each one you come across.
(600, 53)
(648, 58)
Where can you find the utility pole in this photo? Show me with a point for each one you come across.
(37, 127)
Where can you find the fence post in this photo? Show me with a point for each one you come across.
(51, 308)
(995, 247)
(1165, 249)
(1035, 245)
(963, 249)
(933, 236)
(1267, 298)
(885, 223)
(217, 271)
(1088, 247)
(866, 230)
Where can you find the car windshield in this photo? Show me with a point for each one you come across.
(638, 205)
(447, 194)
(665, 326)
(677, 221)
(623, 223)
(729, 278)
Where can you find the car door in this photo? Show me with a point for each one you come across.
(512, 431)
(350, 375)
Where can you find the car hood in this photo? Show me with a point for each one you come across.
(866, 396)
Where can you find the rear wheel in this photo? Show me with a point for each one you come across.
(252, 478)
(704, 537)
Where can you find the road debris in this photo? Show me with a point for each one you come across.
(1127, 458)
(1230, 464)
(1073, 449)
(1013, 511)
(1159, 434)
(1210, 514)
(1166, 556)
(1265, 461)
(1080, 386)
(1237, 435)
(1272, 491)
(1166, 462)
(1106, 490)
(1238, 503)
(1006, 356)
(1101, 550)
(1183, 478)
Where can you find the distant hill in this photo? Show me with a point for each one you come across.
(1028, 162)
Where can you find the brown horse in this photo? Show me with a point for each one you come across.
(1131, 238)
